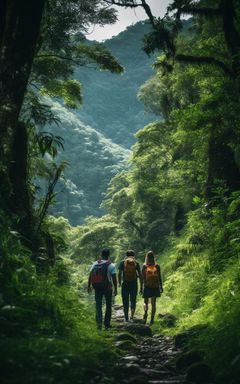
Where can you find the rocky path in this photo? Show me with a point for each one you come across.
(147, 358)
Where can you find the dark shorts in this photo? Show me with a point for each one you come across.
(151, 292)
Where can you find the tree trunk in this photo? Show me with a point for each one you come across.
(18, 174)
(19, 29)
(232, 37)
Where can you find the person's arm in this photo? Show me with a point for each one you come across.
(143, 275)
(160, 279)
(140, 277)
(114, 280)
(89, 289)
(89, 283)
(120, 275)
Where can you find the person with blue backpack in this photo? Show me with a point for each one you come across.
(103, 279)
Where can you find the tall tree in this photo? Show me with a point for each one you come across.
(19, 31)
(218, 18)
(44, 30)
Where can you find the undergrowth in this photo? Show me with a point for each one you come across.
(201, 270)
(48, 333)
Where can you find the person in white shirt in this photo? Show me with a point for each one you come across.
(102, 278)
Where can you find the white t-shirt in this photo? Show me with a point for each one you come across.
(111, 268)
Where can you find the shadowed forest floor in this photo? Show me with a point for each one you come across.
(145, 357)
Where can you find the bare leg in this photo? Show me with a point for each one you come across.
(153, 302)
(145, 310)
(132, 313)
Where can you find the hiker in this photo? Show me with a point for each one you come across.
(103, 278)
(128, 273)
(152, 283)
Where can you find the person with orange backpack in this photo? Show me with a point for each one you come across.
(152, 283)
(103, 278)
(129, 272)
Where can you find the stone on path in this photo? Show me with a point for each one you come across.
(130, 358)
(150, 358)
(117, 306)
(119, 319)
(138, 329)
(153, 372)
(125, 345)
(168, 319)
(126, 336)
(138, 320)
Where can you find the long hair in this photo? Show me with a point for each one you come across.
(150, 259)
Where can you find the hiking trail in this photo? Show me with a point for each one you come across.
(148, 358)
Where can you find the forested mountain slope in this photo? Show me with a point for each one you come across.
(98, 134)
(110, 102)
(92, 160)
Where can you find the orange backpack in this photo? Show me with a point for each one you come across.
(130, 272)
(152, 276)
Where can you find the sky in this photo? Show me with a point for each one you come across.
(127, 17)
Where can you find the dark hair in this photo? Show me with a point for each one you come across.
(150, 259)
(105, 253)
(130, 252)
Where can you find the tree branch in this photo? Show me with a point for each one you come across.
(58, 57)
(205, 60)
(135, 5)
(90, 64)
(50, 194)
(148, 12)
(124, 4)
(136, 227)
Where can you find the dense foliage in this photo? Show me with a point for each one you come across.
(181, 196)
(47, 332)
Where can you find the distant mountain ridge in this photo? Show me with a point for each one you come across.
(99, 134)
(110, 103)
(93, 160)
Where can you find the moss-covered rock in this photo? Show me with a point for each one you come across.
(126, 336)
(167, 319)
(189, 358)
(199, 373)
(125, 345)
(139, 329)
(182, 339)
